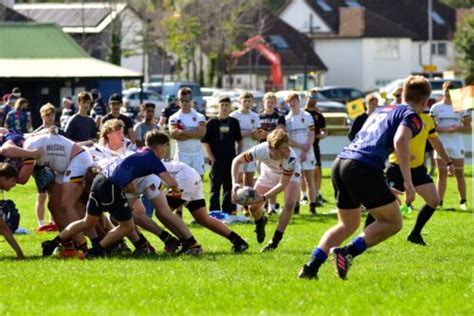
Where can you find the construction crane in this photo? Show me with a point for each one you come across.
(258, 43)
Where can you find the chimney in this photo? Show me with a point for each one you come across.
(351, 21)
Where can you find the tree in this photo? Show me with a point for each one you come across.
(459, 3)
(464, 42)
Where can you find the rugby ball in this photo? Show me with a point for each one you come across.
(246, 196)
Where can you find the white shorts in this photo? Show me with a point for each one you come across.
(148, 186)
(195, 161)
(269, 178)
(76, 169)
(248, 167)
(191, 185)
(309, 163)
(453, 145)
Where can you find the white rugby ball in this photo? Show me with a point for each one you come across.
(246, 196)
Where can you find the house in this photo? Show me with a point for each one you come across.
(252, 70)
(92, 26)
(367, 43)
(47, 65)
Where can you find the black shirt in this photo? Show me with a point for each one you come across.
(271, 121)
(171, 109)
(357, 125)
(127, 122)
(319, 123)
(221, 136)
(81, 128)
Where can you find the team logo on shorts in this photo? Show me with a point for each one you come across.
(252, 121)
(194, 119)
(297, 174)
(153, 187)
(67, 173)
(302, 120)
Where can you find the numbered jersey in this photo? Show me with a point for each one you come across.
(248, 122)
(374, 142)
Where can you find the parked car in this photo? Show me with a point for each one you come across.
(340, 94)
(131, 99)
(436, 87)
(334, 112)
(171, 88)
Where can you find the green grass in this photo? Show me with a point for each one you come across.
(393, 278)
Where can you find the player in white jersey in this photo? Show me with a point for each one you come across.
(250, 129)
(187, 127)
(113, 148)
(69, 162)
(450, 125)
(280, 172)
(300, 127)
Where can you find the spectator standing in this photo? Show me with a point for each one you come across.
(18, 119)
(371, 103)
(222, 136)
(450, 125)
(250, 128)
(81, 127)
(115, 103)
(166, 113)
(187, 127)
(300, 127)
(99, 109)
(320, 132)
(67, 112)
(147, 125)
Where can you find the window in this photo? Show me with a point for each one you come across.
(437, 18)
(278, 41)
(353, 4)
(323, 5)
(387, 49)
(439, 49)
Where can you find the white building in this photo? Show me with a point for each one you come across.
(367, 43)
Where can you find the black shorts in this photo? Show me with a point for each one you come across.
(105, 196)
(317, 154)
(356, 183)
(175, 202)
(419, 176)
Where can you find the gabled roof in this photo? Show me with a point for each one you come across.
(34, 50)
(292, 46)
(73, 17)
(386, 18)
(9, 15)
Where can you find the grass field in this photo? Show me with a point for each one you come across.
(394, 278)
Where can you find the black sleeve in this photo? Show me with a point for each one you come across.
(128, 123)
(356, 126)
(93, 129)
(322, 120)
(70, 127)
(209, 130)
(238, 134)
(281, 120)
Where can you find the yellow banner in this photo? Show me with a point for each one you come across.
(463, 99)
(355, 108)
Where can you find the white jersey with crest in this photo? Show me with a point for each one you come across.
(247, 123)
(100, 152)
(189, 180)
(188, 122)
(261, 153)
(56, 150)
(298, 127)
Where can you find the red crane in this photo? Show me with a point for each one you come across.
(258, 43)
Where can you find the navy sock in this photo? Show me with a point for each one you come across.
(317, 259)
(356, 247)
